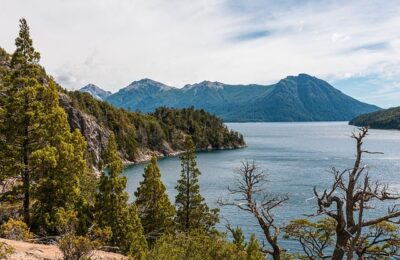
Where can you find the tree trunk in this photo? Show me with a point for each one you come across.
(25, 171)
(276, 255)
(276, 251)
(340, 248)
(26, 184)
(187, 197)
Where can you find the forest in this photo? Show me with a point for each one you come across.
(49, 193)
(382, 119)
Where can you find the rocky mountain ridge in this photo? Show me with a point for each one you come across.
(294, 98)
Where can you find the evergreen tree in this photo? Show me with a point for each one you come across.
(155, 209)
(60, 166)
(21, 126)
(39, 149)
(253, 249)
(238, 238)
(112, 207)
(192, 211)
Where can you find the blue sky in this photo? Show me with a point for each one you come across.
(354, 45)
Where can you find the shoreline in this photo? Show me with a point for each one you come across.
(146, 157)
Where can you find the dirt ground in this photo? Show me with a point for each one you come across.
(30, 251)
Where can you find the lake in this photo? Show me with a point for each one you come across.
(296, 157)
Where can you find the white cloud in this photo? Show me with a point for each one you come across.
(111, 43)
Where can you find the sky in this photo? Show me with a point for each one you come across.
(354, 45)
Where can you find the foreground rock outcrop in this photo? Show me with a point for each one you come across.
(30, 251)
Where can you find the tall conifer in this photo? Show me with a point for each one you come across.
(113, 209)
(40, 151)
(192, 211)
(155, 209)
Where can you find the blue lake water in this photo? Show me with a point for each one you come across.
(296, 157)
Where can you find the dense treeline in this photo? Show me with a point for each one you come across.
(383, 119)
(207, 131)
(161, 130)
(48, 192)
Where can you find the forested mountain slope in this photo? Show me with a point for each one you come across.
(383, 119)
(295, 98)
(137, 135)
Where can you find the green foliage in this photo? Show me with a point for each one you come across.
(198, 245)
(253, 249)
(113, 210)
(61, 165)
(382, 239)
(119, 121)
(5, 250)
(22, 116)
(40, 150)
(100, 236)
(155, 210)
(382, 119)
(76, 247)
(314, 237)
(192, 211)
(25, 54)
(238, 238)
(134, 131)
(16, 230)
(207, 131)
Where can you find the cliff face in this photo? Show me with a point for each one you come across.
(139, 136)
(96, 135)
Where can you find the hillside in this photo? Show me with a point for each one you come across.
(138, 135)
(383, 119)
(295, 98)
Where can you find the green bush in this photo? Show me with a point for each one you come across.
(5, 250)
(200, 245)
(16, 230)
(76, 247)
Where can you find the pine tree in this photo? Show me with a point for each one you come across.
(39, 149)
(253, 249)
(21, 116)
(113, 209)
(192, 211)
(60, 166)
(155, 209)
(238, 238)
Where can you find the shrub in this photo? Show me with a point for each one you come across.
(75, 247)
(16, 230)
(200, 245)
(5, 250)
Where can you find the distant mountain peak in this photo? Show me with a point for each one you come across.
(294, 98)
(146, 83)
(205, 84)
(95, 91)
(302, 76)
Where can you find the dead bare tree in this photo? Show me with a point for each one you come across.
(351, 194)
(253, 198)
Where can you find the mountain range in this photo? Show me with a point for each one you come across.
(294, 98)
